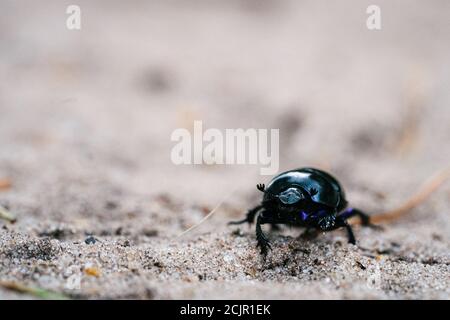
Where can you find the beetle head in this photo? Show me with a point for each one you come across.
(327, 222)
(323, 219)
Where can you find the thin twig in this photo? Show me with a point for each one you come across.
(423, 194)
(5, 184)
(7, 215)
(35, 291)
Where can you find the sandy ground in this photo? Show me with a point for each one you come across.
(85, 124)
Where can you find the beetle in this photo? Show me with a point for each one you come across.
(304, 197)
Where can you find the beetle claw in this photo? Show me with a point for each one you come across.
(265, 246)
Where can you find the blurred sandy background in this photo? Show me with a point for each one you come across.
(86, 118)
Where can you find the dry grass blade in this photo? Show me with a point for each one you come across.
(5, 184)
(7, 215)
(37, 292)
(433, 184)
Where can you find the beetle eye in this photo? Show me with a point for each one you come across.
(290, 196)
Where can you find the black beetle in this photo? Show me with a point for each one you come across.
(305, 197)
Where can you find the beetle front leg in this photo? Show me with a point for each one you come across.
(263, 242)
(340, 222)
(249, 217)
(351, 236)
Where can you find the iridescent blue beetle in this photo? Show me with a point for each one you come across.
(304, 197)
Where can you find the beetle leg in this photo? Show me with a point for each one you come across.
(340, 222)
(249, 217)
(364, 217)
(351, 236)
(263, 242)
